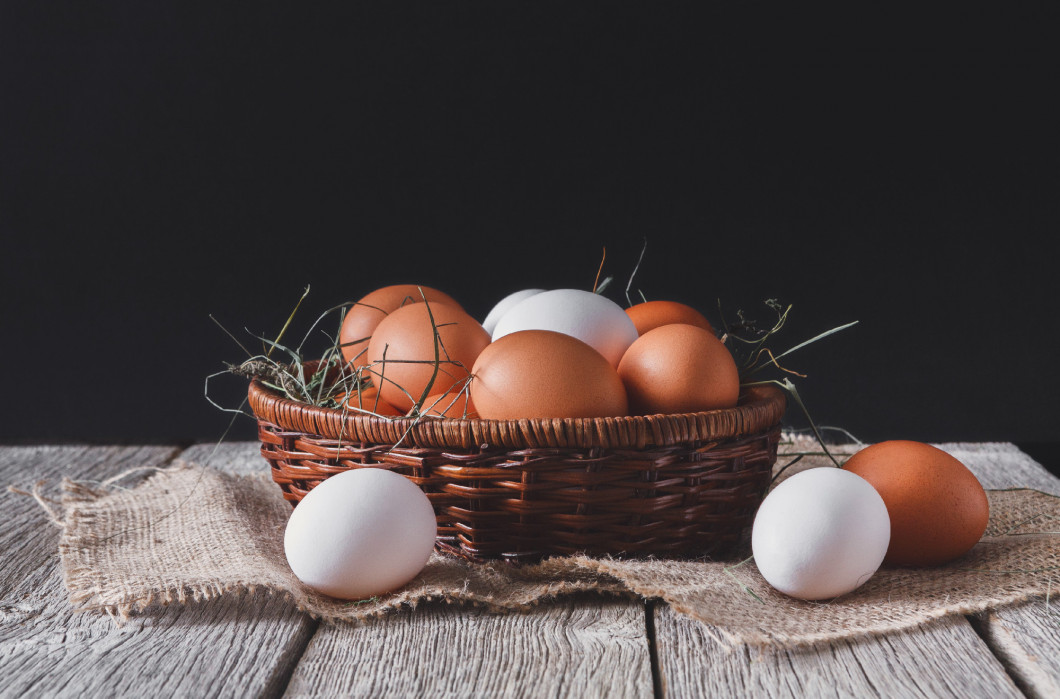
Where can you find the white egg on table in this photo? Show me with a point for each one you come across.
(360, 533)
(820, 534)
(594, 319)
(505, 305)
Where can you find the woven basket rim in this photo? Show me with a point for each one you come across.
(760, 409)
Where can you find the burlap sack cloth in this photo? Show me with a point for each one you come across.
(191, 532)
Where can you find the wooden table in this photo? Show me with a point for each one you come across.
(259, 645)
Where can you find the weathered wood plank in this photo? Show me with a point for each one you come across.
(1027, 640)
(232, 647)
(1004, 466)
(247, 646)
(945, 659)
(1025, 637)
(587, 646)
(233, 457)
(28, 541)
(692, 662)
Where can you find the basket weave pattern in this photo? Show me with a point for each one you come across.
(671, 485)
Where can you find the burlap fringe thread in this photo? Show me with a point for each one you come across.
(190, 533)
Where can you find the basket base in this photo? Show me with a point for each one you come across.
(684, 501)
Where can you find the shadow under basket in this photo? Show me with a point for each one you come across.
(671, 486)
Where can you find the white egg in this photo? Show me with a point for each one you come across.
(820, 534)
(594, 319)
(505, 305)
(360, 533)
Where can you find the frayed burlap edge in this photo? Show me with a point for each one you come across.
(496, 587)
(488, 586)
(757, 636)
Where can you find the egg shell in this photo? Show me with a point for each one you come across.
(545, 374)
(407, 336)
(938, 508)
(455, 404)
(364, 317)
(653, 314)
(594, 319)
(679, 369)
(820, 534)
(367, 399)
(360, 533)
(505, 305)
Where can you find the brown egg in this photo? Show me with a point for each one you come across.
(679, 368)
(542, 374)
(653, 314)
(368, 400)
(937, 507)
(456, 403)
(407, 337)
(363, 317)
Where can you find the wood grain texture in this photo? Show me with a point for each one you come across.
(1004, 466)
(692, 662)
(232, 647)
(1025, 637)
(28, 542)
(945, 659)
(1027, 640)
(586, 646)
(233, 457)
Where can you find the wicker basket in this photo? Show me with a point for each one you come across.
(667, 485)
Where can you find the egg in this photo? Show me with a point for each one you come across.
(367, 399)
(405, 339)
(820, 534)
(360, 533)
(505, 305)
(679, 369)
(545, 374)
(364, 316)
(456, 404)
(938, 508)
(594, 319)
(653, 314)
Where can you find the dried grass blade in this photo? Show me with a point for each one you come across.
(629, 284)
(289, 319)
(799, 346)
(788, 386)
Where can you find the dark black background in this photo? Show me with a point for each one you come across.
(169, 160)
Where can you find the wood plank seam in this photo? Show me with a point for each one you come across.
(280, 679)
(1013, 657)
(243, 644)
(657, 686)
(1023, 660)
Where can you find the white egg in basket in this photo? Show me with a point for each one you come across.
(594, 319)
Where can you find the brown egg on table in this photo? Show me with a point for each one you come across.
(938, 508)
(364, 316)
(457, 404)
(545, 374)
(401, 353)
(653, 314)
(367, 400)
(679, 368)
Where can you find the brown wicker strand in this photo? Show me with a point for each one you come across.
(664, 485)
